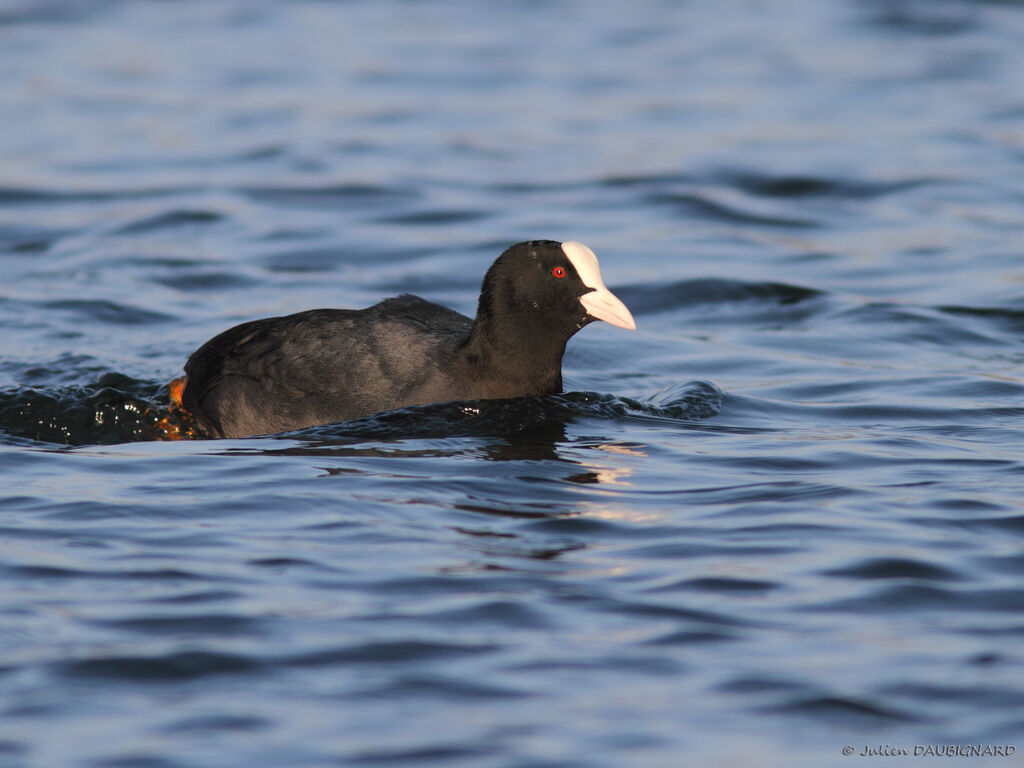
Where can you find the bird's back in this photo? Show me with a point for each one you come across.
(323, 366)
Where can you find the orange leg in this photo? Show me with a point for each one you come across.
(176, 388)
(179, 424)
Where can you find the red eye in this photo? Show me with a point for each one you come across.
(558, 272)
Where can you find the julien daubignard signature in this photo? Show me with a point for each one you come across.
(934, 750)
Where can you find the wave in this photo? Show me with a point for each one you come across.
(113, 409)
(117, 409)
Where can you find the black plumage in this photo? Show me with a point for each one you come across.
(329, 365)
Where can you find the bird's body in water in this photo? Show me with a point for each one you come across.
(328, 365)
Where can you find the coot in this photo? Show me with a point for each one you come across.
(328, 365)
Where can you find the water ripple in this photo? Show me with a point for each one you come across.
(686, 294)
(108, 312)
(896, 568)
(340, 196)
(170, 220)
(168, 668)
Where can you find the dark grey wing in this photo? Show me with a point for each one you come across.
(319, 366)
(235, 377)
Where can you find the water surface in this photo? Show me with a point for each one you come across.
(782, 517)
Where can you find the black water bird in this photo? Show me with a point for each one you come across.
(328, 365)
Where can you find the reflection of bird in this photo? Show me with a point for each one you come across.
(329, 365)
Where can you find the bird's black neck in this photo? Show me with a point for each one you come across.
(516, 359)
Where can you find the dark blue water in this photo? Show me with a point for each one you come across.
(784, 516)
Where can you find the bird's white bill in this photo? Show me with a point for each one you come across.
(602, 304)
